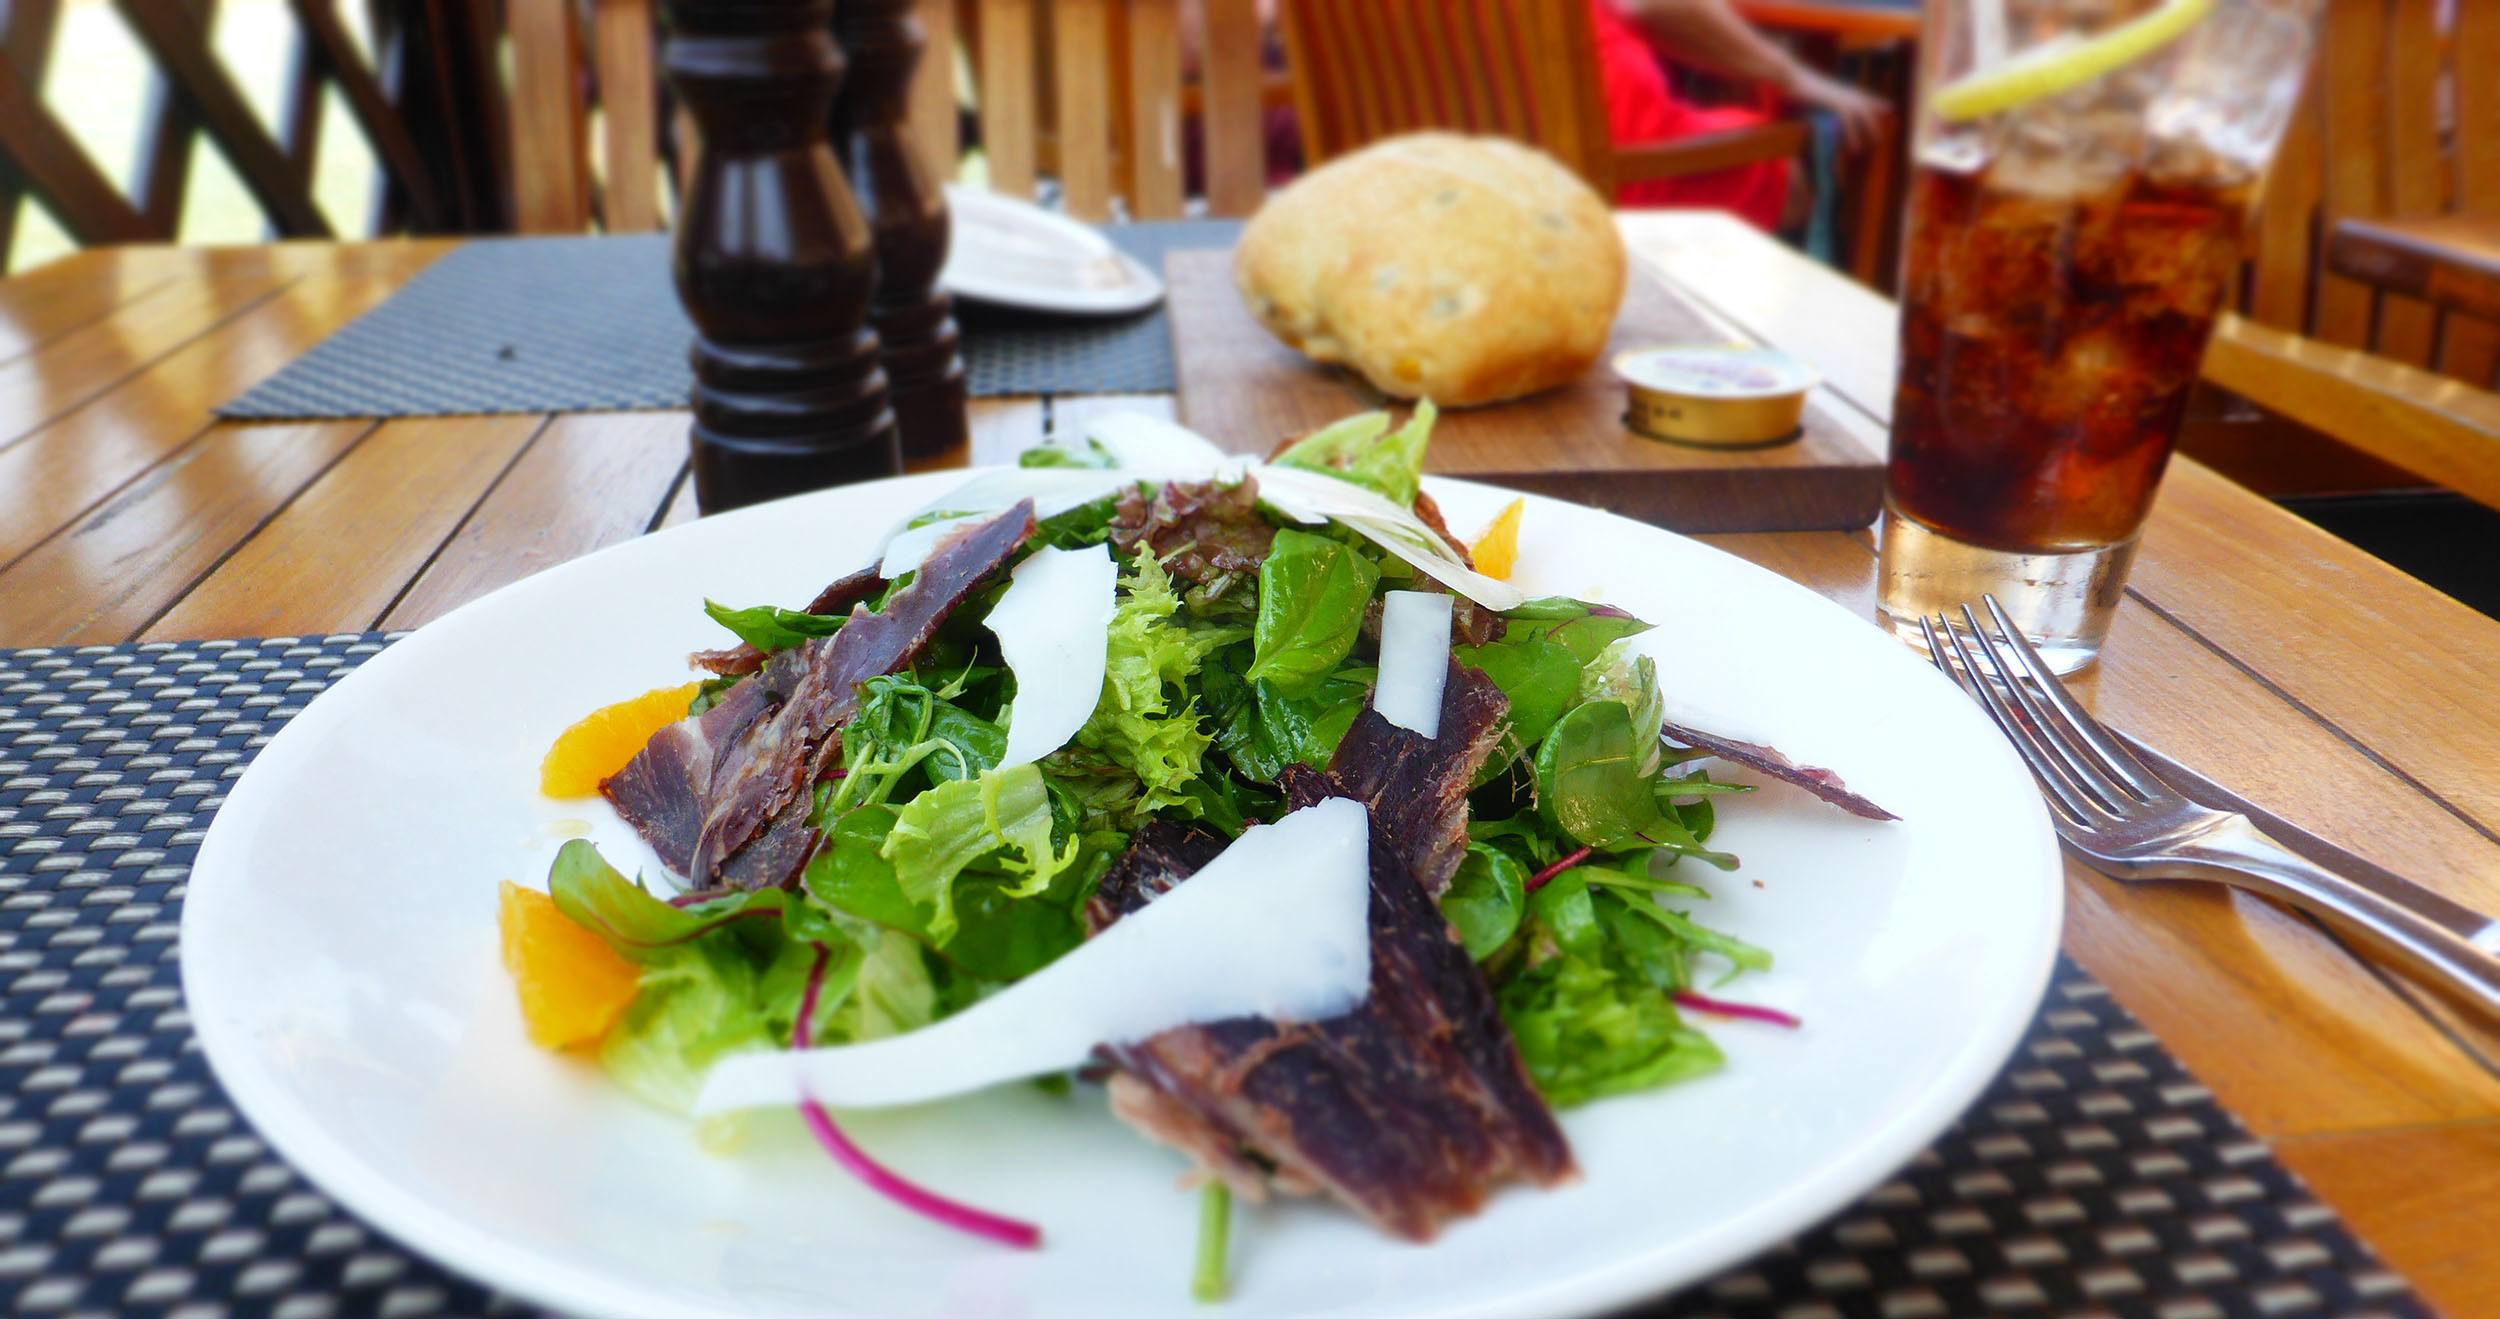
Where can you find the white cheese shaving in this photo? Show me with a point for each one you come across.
(1277, 926)
(1054, 628)
(1309, 497)
(1414, 659)
(1137, 441)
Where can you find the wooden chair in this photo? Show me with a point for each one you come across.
(2401, 118)
(2382, 375)
(1113, 130)
(1527, 69)
(193, 95)
(572, 60)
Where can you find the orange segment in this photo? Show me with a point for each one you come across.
(607, 737)
(573, 987)
(1496, 552)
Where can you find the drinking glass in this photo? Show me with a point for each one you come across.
(2083, 172)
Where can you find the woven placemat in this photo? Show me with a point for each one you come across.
(2095, 1175)
(592, 324)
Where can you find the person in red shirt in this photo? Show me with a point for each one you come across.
(1641, 106)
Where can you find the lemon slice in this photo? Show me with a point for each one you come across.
(2054, 66)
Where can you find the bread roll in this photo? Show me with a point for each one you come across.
(1459, 269)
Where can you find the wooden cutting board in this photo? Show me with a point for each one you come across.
(1242, 388)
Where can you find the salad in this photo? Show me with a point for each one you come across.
(1076, 692)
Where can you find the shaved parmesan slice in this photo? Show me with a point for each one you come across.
(1138, 441)
(1414, 659)
(1278, 926)
(1309, 497)
(1054, 627)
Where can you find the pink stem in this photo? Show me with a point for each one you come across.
(928, 1204)
(1538, 880)
(1748, 1011)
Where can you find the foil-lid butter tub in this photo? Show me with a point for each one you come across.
(1716, 396)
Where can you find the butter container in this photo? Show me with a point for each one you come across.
(1715, 396)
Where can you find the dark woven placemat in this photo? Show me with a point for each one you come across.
(592, 324)
(2094, 1175)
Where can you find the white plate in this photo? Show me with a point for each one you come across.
(1015, 253)
(340, 958)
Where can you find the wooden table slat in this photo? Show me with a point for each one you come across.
(106, 577)
(60, 471)
(590, 481)
(340, 556)
(87, 363)
(67, 295)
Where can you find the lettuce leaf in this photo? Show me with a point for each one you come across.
(693, 1006)
(947, 828)
(1312, 594)
(1586, 1031)
(770, 629)
(1363, 450)
(1619, 675)
(1146, 722)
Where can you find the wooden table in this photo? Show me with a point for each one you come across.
(2315, 680)
(2450, 261)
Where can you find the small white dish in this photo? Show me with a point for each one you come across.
(340, 960)
(1016, 254)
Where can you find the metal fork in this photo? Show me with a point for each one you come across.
(2130, 824)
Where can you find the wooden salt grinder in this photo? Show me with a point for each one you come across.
(774, 262)
(907, 212)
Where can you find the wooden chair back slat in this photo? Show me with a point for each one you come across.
(1489, 63)
(299, 114)
(167, 132)
(2401, 118)
(26, 29)
(1156, 189)
(1448, 62)
(332, 54)
(625, 61)
(440, 67)
(550, 125)
(1413, 100)
(1010, 95)
(1081, 98)
(2352, 61)
(174, 37)
(2283, 261)
(1522, 68)
(2415, 183)
(2470, 349)
(932, 110)
(68, 185)
(1233, 99)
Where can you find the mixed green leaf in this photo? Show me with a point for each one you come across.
(941, 876)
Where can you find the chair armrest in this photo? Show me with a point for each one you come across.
(2442, 429)
(1704, 152)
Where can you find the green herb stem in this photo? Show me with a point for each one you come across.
(1215, 1224)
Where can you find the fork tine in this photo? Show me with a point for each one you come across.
(2046, 730)
(2062, 796)
(2113, 758)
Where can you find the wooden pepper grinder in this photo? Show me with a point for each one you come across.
(775, 264)
(907, 210)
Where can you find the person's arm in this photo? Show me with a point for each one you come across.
(1711, 35)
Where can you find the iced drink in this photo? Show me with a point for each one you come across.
(2066, 258)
